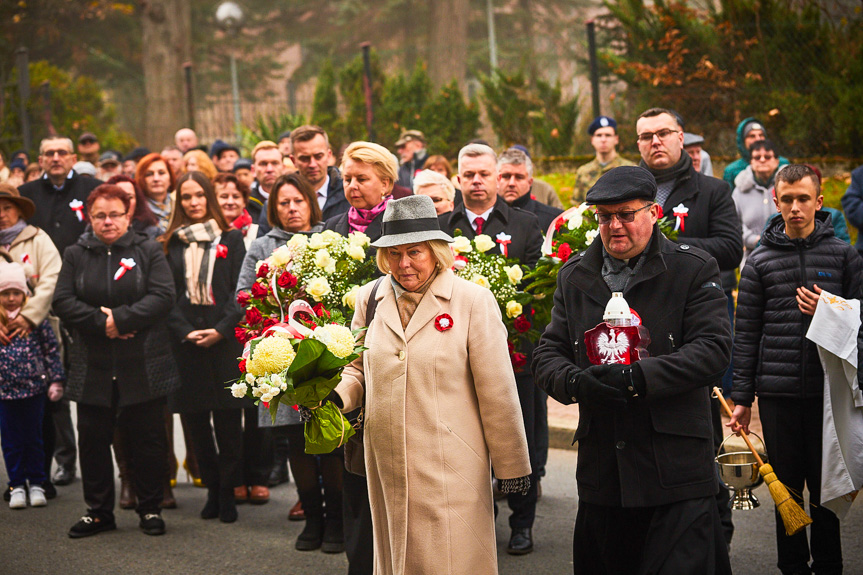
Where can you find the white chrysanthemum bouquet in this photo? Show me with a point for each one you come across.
(299, 363)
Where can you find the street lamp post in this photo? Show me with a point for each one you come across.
(229, 15)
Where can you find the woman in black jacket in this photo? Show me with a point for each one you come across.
(205, 256)
(114, 291)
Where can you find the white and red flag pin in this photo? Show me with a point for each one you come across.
(680, 212)
(125, 265)
(504, 240)
(78, 207)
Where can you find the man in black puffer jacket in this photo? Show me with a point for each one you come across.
(779, 287)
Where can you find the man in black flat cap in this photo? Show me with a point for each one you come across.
(646, 476)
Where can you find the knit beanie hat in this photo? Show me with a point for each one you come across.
(12, 277)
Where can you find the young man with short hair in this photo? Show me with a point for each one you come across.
(779, 292)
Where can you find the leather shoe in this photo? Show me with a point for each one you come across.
(259, 494)
(63, 476)
(521, 541)
(279, 475)
(241, 494)
(296, 513)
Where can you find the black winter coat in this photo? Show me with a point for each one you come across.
(140, 300)
(206, 372)
(53, 213)
(657, 449)
(772, 357)
(711, 223)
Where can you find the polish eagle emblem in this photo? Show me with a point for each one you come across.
(612, 347)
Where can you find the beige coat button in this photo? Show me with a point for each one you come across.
(402, 355)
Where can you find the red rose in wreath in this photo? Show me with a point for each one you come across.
(320, 310)
(443, 322)
(242, 365)
(253, 316)
(564, 251)
(269, 322)
(518, 359)
(243, 298)
(263, 271)
(521, 323)
(287, 280)
(259, 291)
(240, 334)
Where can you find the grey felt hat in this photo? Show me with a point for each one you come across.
(410, 220)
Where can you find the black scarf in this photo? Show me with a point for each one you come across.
(668, 174)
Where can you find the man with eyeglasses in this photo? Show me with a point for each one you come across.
(604, 139)
(749, 131)
(645, 474)
(60, 194)
(702, 211)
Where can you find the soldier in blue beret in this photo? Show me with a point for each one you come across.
(603, 138)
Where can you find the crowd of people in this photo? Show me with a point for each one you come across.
(118, 291)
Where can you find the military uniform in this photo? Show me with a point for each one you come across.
(587, 175)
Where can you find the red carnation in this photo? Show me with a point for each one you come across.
(558, 223)
(287, 280)
(522, 324)
(243, 365)
(253, 316)
(659, 212)
(263, 271)
(518, 360)
(320, 310)
(564, 251)
(243, 298)
(259, 291)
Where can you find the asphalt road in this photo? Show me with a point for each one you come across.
(34, 541)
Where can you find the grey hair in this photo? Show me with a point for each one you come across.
(474, 151)
(515, 157)
(67, 141)
(432, 178)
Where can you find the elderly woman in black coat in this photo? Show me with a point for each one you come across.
(113, 293)
(205, 255)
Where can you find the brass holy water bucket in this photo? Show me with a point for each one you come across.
(738, 470)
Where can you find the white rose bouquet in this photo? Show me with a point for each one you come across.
(299, 363)
(479, 262)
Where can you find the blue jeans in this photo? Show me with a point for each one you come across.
(21, 439)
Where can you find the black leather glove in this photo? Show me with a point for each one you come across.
(587, 387)
(627, 378)
(335, 398)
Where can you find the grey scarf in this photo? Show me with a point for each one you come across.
(617, 273)
(8, 235)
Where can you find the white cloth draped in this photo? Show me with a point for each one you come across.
(834, 330)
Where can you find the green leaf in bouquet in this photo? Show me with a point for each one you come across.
(327, 430)
(273, 409)
(312, 392)
(305, 364)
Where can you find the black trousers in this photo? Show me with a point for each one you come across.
(359, 537)
(792, 434)
(220, 469)
(257, 449)
(682, 538)
(524, 506)
(147, 448)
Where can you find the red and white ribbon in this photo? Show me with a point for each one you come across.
(125, 265)
(78, 207)
(504, 240)
(546, 244)
(680, 212)
(25, 259)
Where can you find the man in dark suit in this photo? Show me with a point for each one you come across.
(518, 236)
(646, 475)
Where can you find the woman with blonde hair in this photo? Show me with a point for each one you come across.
(199, 161)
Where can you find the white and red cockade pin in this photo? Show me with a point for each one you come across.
(221, 251)
(443, 322)
(680, 212)
(504, 240)
(78, 207)
(125, 265)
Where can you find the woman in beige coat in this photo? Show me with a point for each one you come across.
(440, 404)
